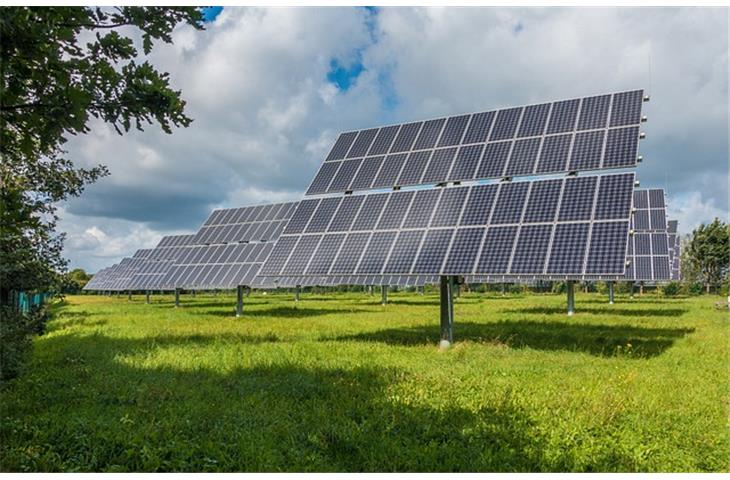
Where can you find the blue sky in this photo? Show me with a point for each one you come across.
(269, 89)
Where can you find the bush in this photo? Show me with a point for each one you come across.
(671, 289)
(695, 288)
(16, 331)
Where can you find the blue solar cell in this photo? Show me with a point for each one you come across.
(439, 166)
(370, 212)
(390, 170)
(510, 203)
(395, 210)
(301, 254)
(642, 244)
(534, 120)
(376, 252)
(506, 124)
(578, 196)
(661, 268)
(568, 249)
(467, 160)
(494, 160)
(531, 249)
(433, 251)
(479, 205)
(382, 142)
(587, 150)
(301, 217)
(621, 147)
(523, 158)
(279, 255)
(641, 199)
(322, 217)
(449, 207)
(656, 198)
(362, 143)
(614, 197)
(323, 178)
(594, 112)
(497, 250)
(350, 253)
(642, 268)
(429, 134)
(658, 219)
(641, 220)
(453, 131)
(563, 116)
(406, 136)
(346, 214)
(479, 127)
(626, 108)
(543, 201)
(659, 244)
(344, 175)
(464, 251)
(422, 208)
(342, 145)
(607, 252)
(414, 167)
(404, 251)
(365, 176)
(554, 154)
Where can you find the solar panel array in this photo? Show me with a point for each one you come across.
(591, 133)
(674, 249)
(648, 254)
(150, 274)
(247, 224)
(565, 228)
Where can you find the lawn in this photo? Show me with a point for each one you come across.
(338, 382)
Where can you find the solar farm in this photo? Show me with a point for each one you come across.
(543, 192)
(419, 308)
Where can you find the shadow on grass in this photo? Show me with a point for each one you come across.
(607, 310)
(284, 312)
(102, 413)
(63, 319)
(600, 340)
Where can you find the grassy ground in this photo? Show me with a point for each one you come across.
(339, 382)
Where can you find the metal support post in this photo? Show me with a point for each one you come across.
(177, 297)
(610, 293)
(447, 312)
(129, 295)
(641, 288)
(193, 293)
(421, 290)
(297, 291)
(570, 286)
(370, 290)
(239, 300)
(384, 294)
(147, 296)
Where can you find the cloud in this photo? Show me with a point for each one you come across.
(267, 106)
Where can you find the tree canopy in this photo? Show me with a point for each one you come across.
(62, 66)
(708, 253)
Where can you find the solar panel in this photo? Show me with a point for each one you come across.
(674, 248)
(651, 253)
(562, 228)
(592, 133)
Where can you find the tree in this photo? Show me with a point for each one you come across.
(61, 66)
(76, 280)
(708, 253)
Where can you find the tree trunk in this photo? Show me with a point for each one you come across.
(707, 288)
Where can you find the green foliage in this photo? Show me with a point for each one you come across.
(60, 67)
(338, 382)
(75, 280)
(708, 254)
(671, 289)
(16, 329)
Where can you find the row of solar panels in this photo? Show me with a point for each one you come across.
(177, 262)
(566, 228)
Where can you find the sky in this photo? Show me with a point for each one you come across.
(269, 90)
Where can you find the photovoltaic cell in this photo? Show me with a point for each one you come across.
(497, 250)
(506, 124)
(577, 203)
(382, 142)
(406, 137)
(392, 216)
(422, 209)
(534, 120)
(344, 175)
(376, 253)
(302, 253)
(404, 251)
(543, 201)
(342, 145)
(370, 212)
(429, 134)
(479, 205)
(563, 116)
(453, 131)
(494, 160)
(531, 249)
(510, 203)
(365, 176)
(464, 250)
(362, 143)
(587, 151)
(449, 207)
(323, 216)
(433, 251)
(568, 248)
(479, 127)
(523, 158)
(466, 162)
(323, 178)
(414, 167)
(594, 112)
(350, 253)
(607, 251)
(390, 170)
(626, 108)
(621, 147)
(346, 214)
(554, 154)
(439, 166)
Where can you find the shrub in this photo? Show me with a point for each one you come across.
(671, 289)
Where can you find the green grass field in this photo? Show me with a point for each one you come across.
(338, 382)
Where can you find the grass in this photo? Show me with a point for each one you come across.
(340, 383)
